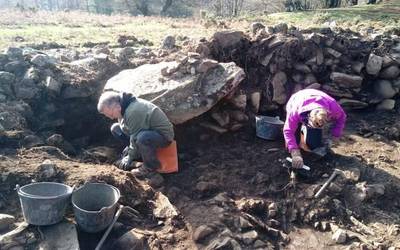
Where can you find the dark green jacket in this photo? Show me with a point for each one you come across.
(144, 115)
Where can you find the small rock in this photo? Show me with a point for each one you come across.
(224, 243)
(374, 64)
(333, 52)
(53, 85)
(238, 116)
(325, 226)
(340, 236)
(130, 240)
(390, 72)
(352, 104)
(387, 104)
(30, 141)
(239, 101)
(16, 67)
(273, 206)
(206, 65)
(204, 186)
(281, 27)
(249, 237)
(202, 232)
(101, 50)
(272, 213)
(5, 221)
(255, 101)
(156, 180)
(352, 175)
(126, 53)
(221, 117)
(251, 205)
(394, 230)
(260, 244)
(256, 26)
(279, 92)
(311, 191)
(13, 53)
(47, 170)
(335, 188)
(346, 80)
(168, 42)
(41, 60)
(163, 207)
(244, 224)
(384, 88)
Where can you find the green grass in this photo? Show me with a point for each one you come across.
(378, 16)
(75, 28)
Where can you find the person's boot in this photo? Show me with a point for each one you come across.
(141, 172)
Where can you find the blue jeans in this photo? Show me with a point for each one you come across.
(147, 143)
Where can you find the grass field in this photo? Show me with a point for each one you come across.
(75, 28)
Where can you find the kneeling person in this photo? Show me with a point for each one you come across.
(308, 112)
(141, 124)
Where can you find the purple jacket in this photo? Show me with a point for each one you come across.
(304, 101)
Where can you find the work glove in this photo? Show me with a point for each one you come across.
(297, 160)
(125, 163)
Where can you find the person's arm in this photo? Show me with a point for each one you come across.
(289, 129)
(340, 121)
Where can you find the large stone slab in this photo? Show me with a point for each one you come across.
(182, 95)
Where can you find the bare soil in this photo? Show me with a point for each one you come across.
(224, 177)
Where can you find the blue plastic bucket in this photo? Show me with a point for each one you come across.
(269, 128)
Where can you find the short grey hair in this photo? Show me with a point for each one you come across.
(108, 99)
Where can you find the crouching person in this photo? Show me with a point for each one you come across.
(309, 111)
(141, 125)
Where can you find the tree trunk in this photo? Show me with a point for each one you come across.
(143, 7)
(165, 7)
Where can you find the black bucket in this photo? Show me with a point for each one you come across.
(94, 206)
(44, 203)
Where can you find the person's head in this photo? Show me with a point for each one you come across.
(318, 118)
(110, 105)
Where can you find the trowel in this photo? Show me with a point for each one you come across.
(304, 166)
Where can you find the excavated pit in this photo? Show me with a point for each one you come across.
(233, 190)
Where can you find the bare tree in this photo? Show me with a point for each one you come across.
(167, 4)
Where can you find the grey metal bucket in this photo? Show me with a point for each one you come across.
(94, 206)
(269, 128)
(44, 203)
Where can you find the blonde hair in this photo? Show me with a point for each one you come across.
(318, 117)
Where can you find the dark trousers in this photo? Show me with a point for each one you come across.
(310, 137)
(147, 143)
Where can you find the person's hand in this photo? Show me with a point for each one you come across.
(297, 159)
(125, 163)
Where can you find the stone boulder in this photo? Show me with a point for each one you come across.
(345, 80)
(6, 81)
(168, 42)
(14, 115)
(385, 89)
(181, 95)
(41, 60)
(390, 72)
(227, 39)
(374, 64)
(84, 78)
(278, 84)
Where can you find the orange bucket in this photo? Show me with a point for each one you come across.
(168, 158)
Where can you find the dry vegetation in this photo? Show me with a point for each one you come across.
(75, 28)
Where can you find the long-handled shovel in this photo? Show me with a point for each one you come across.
(117, 214)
